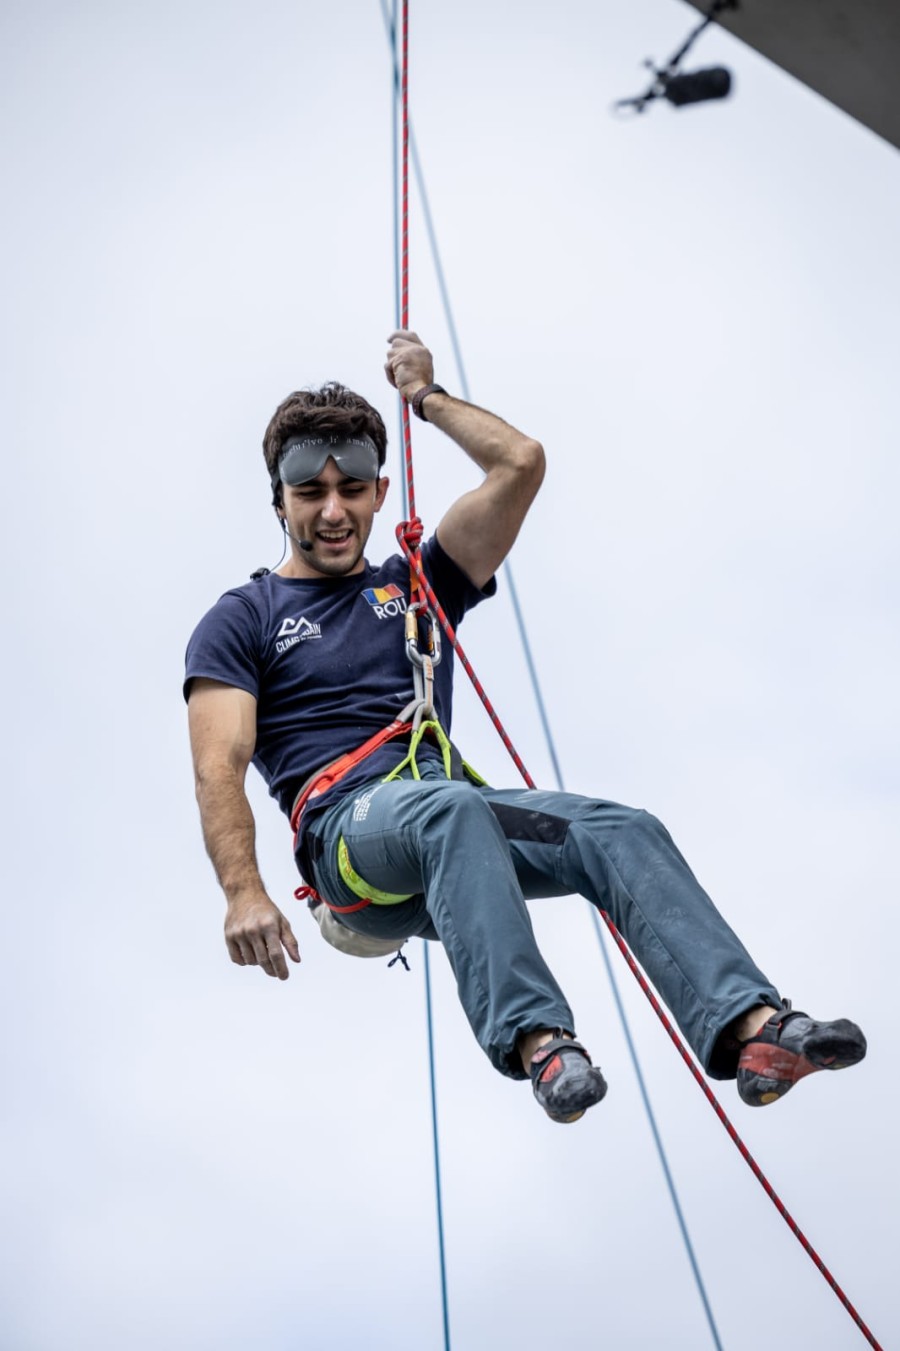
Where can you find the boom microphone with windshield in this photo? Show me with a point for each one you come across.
(680, 89)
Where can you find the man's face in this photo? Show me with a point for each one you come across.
(334, 514)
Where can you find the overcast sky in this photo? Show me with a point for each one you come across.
(695, 312)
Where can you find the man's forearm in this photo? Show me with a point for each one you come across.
(480, 528)
(486, 438)
(492, 443)
(229, 831)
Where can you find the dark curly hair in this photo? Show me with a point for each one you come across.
(333, 410)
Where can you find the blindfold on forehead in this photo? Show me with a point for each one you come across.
(304, 457)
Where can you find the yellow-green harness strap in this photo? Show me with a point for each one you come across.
(351, 878)
(443, 741)
(364, 890)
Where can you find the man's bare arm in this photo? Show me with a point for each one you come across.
(222, 723)
(480, 528)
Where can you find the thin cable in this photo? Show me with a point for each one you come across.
(670, 1181)
(533, 676)
(445, 1303)
(401, 313)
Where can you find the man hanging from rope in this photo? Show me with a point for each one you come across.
(308, 665)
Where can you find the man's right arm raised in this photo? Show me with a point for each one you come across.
(222, 722)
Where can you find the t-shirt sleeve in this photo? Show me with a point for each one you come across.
(225, 645)
(453, 588)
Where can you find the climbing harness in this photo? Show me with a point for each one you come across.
(416, 721)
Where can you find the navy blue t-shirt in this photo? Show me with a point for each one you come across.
(326, 661)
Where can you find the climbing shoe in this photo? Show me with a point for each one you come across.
(790, 1046)
(565, 1082)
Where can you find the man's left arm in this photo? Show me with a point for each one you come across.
(480, 528)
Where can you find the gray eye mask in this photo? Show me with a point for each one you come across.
(304, 457)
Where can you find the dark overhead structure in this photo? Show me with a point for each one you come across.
(846, 50)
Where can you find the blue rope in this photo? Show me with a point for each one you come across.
(437, 1152)
(557, 771)
(532, 670)
(670, 1181)
(391, 21)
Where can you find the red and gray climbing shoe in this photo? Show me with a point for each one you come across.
(565, 1082)
(790, 1046)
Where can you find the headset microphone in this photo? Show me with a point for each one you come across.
(305, 544)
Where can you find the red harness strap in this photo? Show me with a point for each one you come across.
(327, 778)
(304, 893)
(333, 773)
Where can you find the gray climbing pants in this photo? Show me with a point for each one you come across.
(471, 856)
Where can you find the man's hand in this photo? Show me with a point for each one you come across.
(479, 529)
(255, 931)
(409, 364)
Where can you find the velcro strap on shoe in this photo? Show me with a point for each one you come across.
(549, 1048)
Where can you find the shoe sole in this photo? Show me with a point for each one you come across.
(841, 1046)
(776, 1069)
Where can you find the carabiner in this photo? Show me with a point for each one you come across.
(423, 663)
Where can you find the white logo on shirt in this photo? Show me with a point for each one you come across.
(294, 631)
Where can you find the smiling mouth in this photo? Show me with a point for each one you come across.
(334, 537)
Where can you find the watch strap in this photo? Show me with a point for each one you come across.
(421, 395)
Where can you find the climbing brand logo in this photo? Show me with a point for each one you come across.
(294, 631)
(386, 601)
(362, 804)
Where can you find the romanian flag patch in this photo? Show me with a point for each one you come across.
(380, 595)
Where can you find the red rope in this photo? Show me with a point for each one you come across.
(409, 534)
(742, 1148)
(413, 525)
(416, 564)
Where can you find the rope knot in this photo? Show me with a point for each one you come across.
(411, 532)
(308, 894)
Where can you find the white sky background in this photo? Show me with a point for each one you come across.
(696, 313)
